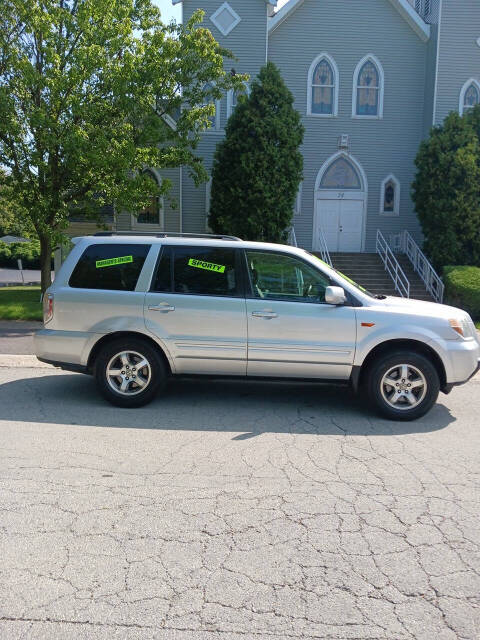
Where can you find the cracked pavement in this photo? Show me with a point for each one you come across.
(235, 510)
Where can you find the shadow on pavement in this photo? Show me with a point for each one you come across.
(248, 408)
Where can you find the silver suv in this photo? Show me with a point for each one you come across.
(133, 310)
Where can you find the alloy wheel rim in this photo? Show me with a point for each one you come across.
(128, 373)
(403, 387)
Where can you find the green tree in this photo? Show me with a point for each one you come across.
(258, 166)
(446, 190)
(88, 90)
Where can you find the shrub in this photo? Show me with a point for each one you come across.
(446, 191)
(462, 288)
(258, 166)
(27, 252)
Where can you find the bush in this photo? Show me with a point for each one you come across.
(258, 165)
(462, 288)
(27, 252)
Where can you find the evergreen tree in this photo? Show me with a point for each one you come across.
(446, 190)
(258, 166)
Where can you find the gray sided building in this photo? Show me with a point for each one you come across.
(370, 78)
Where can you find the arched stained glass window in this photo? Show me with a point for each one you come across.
(390, 197)
(341, 175)
(151, 214)
(323, 87)
(368, 90)
(471, 98)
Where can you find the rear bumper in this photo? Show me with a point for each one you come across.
(64, 348)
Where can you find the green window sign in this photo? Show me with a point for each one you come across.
(111, 262)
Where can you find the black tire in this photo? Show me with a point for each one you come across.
(153, 376)
(400, 401)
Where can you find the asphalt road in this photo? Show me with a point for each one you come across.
(235, 511)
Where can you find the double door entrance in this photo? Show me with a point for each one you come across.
(340, 215)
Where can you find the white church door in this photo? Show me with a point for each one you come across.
(340, 203)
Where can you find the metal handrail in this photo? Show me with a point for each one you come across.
(324, 248)
(433, 282)
(392, 266)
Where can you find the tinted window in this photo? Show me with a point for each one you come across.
(205, 271)
(163, 276)
(110, 266)
(276, 276)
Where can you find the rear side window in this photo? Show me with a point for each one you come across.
(110, 266)
(208, 271)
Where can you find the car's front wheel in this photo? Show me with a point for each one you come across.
(403, 385)
(130, 372)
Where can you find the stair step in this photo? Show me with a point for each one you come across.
(369, 271)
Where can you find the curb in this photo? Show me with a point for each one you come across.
(10, 361)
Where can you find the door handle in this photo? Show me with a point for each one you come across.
(266, 315)
(164, 307)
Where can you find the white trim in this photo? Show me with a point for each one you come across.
(170, 121)
(381, 89)
(236, 19)
(408, 13)
(145, 226)
(208, 199)
(336, 84)
(297, 207)
(437, 61)
(332, 194)
(273, 3)
(466, 86)
(396, 202)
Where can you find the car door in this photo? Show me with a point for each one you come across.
(292, 332)
(196, 307)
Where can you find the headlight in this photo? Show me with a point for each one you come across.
(463, 326)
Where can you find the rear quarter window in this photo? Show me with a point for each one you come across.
(109, 266)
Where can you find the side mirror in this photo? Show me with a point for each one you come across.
(335, 295)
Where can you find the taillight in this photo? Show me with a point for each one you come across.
(47, 307)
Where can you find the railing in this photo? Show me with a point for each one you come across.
(324, 248)
(392, 266)
(422, 266)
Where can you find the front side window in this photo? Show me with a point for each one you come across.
(276, 276)
(203, 271)
(368, 89)
(114, 267)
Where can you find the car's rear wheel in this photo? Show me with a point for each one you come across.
(403, 385)
(130, 372)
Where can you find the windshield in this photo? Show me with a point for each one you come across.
(349, 280)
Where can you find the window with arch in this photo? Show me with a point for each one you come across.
(469, 95)
(368, 81)
(341, 175)
(214, 119)
(232, 98)
(152, 214)
(390, 197)
(323, 87)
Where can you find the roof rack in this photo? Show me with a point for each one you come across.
(168, 234)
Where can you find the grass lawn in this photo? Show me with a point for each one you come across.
(20, 303)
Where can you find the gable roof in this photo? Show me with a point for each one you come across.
(403, 7)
